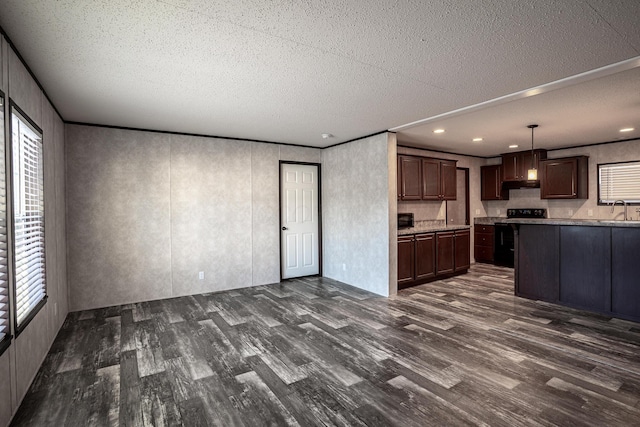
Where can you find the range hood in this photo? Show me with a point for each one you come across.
(510, 185)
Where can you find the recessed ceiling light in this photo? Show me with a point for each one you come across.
(627, 129)
(327, 136)
(438, 131)
(477, 139)
(513, 146)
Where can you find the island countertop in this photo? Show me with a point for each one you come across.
(569, 221)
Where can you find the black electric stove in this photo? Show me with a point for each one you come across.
(526, 213)
(504, 248)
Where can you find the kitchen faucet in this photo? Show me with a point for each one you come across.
(613, 206)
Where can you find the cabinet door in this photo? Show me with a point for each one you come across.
(491, 183)
(430, 179)
(445, 258)
(425, 263)
(410, 177)
(406, 254)
(559, 179)
(538, 252)
(510, 166)
(462, 250)
(625, 271)
(585, 267)
(448, 181)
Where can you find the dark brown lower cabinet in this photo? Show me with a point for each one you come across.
(406, 259)
(425, 256)
(463, 250)
(428, 256)
(446, 252)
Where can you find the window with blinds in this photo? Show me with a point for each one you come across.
(619, 181)
(5, 333)
(28, 218)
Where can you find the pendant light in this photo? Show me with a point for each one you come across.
(532, 174)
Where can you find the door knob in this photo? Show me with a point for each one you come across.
(284, 228)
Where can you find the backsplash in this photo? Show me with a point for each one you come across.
(422, 210)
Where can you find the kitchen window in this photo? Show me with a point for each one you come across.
(5, 333)
(30, 292)
(619, 181)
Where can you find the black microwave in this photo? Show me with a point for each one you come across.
(405, 220)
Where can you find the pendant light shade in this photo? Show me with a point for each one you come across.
(532, 173)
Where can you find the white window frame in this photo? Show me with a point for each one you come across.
(5, 323)
(27, 218)
(619, 181)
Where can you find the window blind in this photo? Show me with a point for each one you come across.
(4, 283)
(619, 181)
(28, 217)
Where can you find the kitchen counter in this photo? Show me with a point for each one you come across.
(431, 228)
(569, 221)
(488, 220)
(585, 264)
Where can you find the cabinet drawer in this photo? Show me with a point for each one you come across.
(484, 229)
(483, 253)
(483, 239)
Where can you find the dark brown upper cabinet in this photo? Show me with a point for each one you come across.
(516, 165)
(491, 183)
(438, 179)
(565, 178)
(409, 178)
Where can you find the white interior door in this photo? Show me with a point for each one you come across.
(300, 222)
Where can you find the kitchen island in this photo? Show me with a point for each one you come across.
(586, 264)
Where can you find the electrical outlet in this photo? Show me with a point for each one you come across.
(477, 211)
(570, 212)
(590, 212)
(201, 275)
(498, 211)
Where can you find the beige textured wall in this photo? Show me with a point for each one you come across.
(147, 211)
(578, 209)
(356, 213)
(20, 363)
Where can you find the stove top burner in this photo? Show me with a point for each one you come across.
(526, 213)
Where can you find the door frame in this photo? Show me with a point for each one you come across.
(467, 207)
(319, 166)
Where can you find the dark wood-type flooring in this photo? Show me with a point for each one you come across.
(312, 351)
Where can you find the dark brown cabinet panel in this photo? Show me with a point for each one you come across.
(425, 263)
(491, 183)
(438, 179)
(585, 267)
(406, 255)
(566, 178)
(484, 236)
(445, 259)
(516, 165)
(462, 250)
(430, 179)
(410, 178)
(625, 272)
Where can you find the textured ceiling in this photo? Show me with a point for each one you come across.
(288, 71)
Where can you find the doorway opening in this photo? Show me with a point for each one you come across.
(458, 210)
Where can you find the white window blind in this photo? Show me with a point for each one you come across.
(4, 283)
(28, 217)
(619, 181)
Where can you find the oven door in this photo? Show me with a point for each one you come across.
(504, 245)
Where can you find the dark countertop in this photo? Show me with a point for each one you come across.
(568, 221)
(431, 228)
